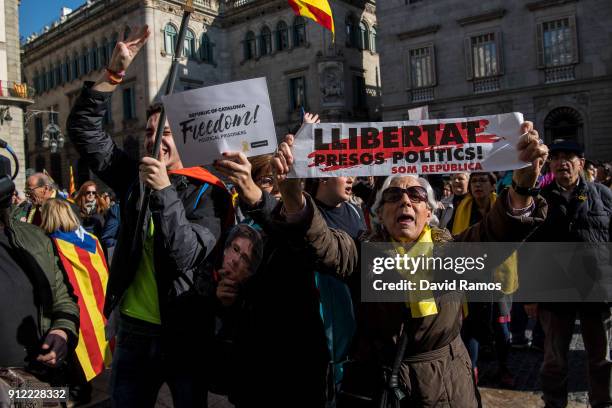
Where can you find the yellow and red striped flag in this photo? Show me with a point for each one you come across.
(72, 187)
(317, 10)
(85, 265)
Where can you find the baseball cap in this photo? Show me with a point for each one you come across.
(570, 146)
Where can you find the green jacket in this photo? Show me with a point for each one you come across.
(58, 308)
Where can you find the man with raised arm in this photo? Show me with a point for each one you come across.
(159, 291)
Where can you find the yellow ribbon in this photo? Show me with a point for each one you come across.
(421, 303)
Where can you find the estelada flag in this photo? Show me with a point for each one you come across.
(317, 10)
(72, 187)
(85, 265)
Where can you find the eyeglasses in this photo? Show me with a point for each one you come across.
(91, 192)
(416, 194)
(28, 191)
(265, 181)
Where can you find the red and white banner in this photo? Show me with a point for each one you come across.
(486, 143)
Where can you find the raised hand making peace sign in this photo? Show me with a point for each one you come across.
(123, 55)
(125, 51)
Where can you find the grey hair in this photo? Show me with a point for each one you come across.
(432, 203)
(43, 180)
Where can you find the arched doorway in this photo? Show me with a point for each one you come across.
(564, 123)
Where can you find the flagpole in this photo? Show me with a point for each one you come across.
(161, 122)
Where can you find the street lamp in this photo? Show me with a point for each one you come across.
(52, 137)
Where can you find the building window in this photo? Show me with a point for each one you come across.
(297, 93)
(36, 82)
(364, 34)
(189, 45)
(299, 31)
(49, 75)
(126, 33)
(483, 56)
(351, 33)
(66, 71)
(112, 44)
(94, 61)
(249, 46)
(265, 41)
(282, 36)
(84, 63)
(373, 35)
(169, 39)
(56, 168)
(359, 93)
(104, 55)
(129, 104)
(75, 67)
(421, 67)
(557, 43)
(38, 129)
(57, 74)
(206, 54)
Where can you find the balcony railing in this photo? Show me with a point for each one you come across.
(422, 94)
(559, 74)
(239, 3)
(483, 85)
(19, 90)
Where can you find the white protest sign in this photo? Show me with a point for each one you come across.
(235, 116)
(485, 143)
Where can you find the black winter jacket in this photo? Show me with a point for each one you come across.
(585, 217)
(188, 220)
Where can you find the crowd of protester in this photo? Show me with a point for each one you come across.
(247, 283)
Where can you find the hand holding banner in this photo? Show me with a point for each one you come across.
(236, 116)
(486, 143)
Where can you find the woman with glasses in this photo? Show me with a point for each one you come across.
(434, 369)
(92, 208)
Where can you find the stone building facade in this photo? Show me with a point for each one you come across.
(227, 40)
(549, 59)
(14, 96)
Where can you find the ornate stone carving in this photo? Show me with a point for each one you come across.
(331, 79)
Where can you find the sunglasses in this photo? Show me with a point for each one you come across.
(416, 194)
(91, 193)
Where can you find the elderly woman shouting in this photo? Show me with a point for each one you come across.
(434, 368)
